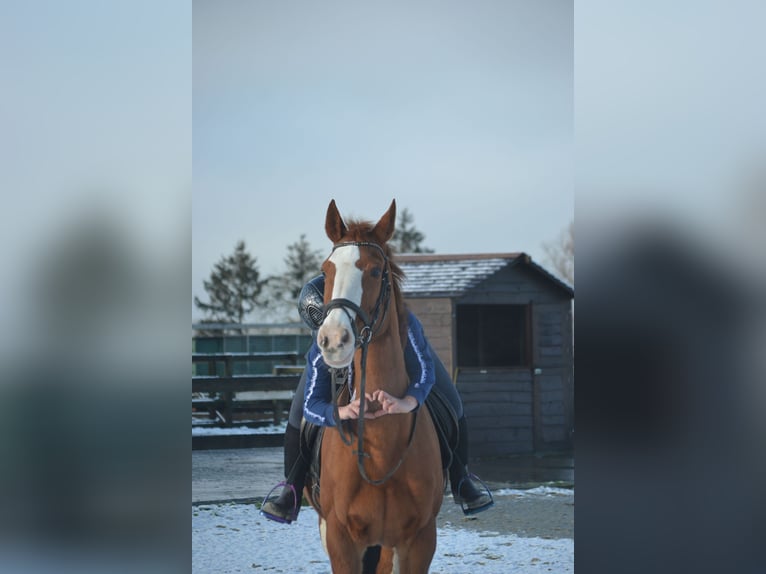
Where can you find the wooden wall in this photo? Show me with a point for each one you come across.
(498, 405)
(552, 356)
(513, 285)
(436, 316)
(512, 410)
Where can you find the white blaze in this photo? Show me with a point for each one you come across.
(347, 285)
(336, 335)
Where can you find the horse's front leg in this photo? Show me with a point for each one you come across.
(386, 562)
(416, 557)
(345, 556)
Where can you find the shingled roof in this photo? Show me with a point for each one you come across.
(428, 275)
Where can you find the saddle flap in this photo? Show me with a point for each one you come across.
(445, 421)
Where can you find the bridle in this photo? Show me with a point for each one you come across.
(363, 336)
(371, 326)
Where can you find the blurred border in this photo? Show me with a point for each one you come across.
(670, 317)
(96, 178)
(670, 322)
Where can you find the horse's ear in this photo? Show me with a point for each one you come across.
(333, 224)
(384, 229)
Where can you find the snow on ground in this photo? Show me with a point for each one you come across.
(229, 538)
(542, 490)
(199, 430)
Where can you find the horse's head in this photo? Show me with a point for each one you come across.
(357, 284)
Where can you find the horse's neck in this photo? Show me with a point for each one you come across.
(386, 437)
(385, 362)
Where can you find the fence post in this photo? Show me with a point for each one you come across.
(228, 396)
(277, 406)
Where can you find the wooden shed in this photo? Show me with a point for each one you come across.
(503, 326)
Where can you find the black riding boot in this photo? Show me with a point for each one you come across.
(468, 492)
(285, 507)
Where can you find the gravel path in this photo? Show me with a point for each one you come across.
(528, 515)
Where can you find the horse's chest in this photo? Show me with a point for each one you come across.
(382, 517)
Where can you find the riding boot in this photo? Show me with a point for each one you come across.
(285, 507)
(469, 492)
(292, 448)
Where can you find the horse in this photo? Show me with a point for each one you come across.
(378, 498)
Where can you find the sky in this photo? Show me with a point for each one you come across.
(461, 112)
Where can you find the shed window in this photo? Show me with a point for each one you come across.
(493, 335)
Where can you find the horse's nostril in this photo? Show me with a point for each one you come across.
(345, 338)
(323, 342)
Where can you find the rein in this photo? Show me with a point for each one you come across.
(362, 340)
(342, 376)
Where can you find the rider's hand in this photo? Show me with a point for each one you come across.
(351, 410)
(391, 405)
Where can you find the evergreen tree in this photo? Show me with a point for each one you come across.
(301, 264)
(234, 288)
(407, 238)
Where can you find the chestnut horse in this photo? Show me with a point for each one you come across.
(381, 486)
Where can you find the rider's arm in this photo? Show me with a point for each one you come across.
(317, 404)
(420, 369)
(418, 361)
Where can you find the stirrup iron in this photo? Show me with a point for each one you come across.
(293, 515)
(470, 511)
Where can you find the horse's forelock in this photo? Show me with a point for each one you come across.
(358, 230)
(362, 231)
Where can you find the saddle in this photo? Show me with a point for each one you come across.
(442, 414)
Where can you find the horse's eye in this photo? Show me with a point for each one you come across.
(375, 272)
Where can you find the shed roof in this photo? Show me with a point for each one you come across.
(453, 275)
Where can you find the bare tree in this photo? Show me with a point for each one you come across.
(560, 253)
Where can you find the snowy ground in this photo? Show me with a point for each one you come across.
(231, 537)
(202, 430)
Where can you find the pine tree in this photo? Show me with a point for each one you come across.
(234, 288)
(301, 264)
(407, 238)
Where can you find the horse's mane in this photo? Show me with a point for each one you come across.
(359, 230)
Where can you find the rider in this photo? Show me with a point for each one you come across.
(424, 369)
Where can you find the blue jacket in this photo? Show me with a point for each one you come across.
(317, 404)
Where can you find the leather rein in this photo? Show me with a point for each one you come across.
(371, 325)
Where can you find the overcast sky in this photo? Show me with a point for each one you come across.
(460, 111)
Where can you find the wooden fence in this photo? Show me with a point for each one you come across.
(260, 397)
